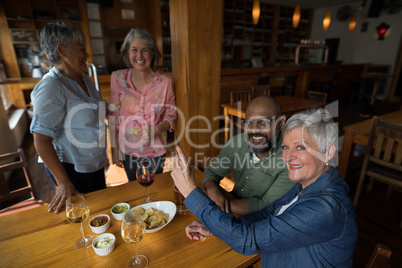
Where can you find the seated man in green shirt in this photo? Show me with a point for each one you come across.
(255, 160)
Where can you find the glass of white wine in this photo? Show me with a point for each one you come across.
(133, 231)
(77, 211)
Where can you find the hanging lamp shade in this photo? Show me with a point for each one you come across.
(296, 16)
(326, 21)
(352, 23)
(256, 11)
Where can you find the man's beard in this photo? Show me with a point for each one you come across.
(262, 148)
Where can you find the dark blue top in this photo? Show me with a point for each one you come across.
(318, 230)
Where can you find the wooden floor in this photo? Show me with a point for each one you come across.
(378, 217)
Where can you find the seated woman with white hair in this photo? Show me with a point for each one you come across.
(313, 225)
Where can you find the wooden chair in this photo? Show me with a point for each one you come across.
(383, 158)
(331, 87)
(363, 87)
(7, 195)
(261, 86)
(235, 122)
(243, 95)
(288, 87)
(380, 257)
(317, 96)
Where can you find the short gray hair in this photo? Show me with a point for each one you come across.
(319, 123)
(148, 39)
(54, 34)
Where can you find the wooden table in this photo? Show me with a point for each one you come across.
(359, 134)
(36, 238)
(290, 105)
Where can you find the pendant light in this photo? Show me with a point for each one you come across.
(256, 11)
(352, 23)
(296, 16)
(327, 20)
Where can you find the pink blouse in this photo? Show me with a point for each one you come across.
(132, 110)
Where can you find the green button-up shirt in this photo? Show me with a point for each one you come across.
(261, 183)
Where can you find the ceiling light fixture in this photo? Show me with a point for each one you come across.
(352, 23)
(382, 30)
(326, 21)
(256, 11)
(296, 16)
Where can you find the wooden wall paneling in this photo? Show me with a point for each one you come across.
(196, 55)
(7, 48)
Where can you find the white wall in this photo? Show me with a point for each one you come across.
(359, 47)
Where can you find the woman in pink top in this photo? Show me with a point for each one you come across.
(142, 105)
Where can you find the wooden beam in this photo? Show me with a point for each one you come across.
(196, 56)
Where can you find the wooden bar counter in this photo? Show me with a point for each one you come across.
(36, 238)
(243, 79)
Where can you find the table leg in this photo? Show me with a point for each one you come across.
(347, 149)
(226, 114)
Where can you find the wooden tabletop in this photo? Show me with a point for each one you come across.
(36, 238)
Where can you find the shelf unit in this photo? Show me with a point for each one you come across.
(273, 39)
(22, 20)
(167, 50)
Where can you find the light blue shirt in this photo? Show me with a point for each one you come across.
(74, 120)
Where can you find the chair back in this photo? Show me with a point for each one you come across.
(243, 95)
(18, 162)
(335, 76)
(261, 86)
(290, 80)
(377, 68)
(262, 80)
(379, 257)
(317, 96)
(383, 158)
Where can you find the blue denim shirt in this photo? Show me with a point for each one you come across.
(318, 230)
(75, 121)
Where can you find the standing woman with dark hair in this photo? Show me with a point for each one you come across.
(68, 122)
(142, 103)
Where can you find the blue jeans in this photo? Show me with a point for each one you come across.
(131, 164)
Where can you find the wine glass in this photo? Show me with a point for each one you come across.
(133, 231)
(146, 175)
(77, 211)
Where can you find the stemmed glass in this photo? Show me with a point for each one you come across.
(146, 175)
(77, 211)
(133, 231)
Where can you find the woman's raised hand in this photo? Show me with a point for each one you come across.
(181, 174)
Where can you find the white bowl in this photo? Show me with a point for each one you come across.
(100, 229)
(164, 206)
(106, 250)
(119, 216)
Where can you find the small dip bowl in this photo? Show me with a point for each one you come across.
(108, 239)
(118, 211)
(99, 223)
